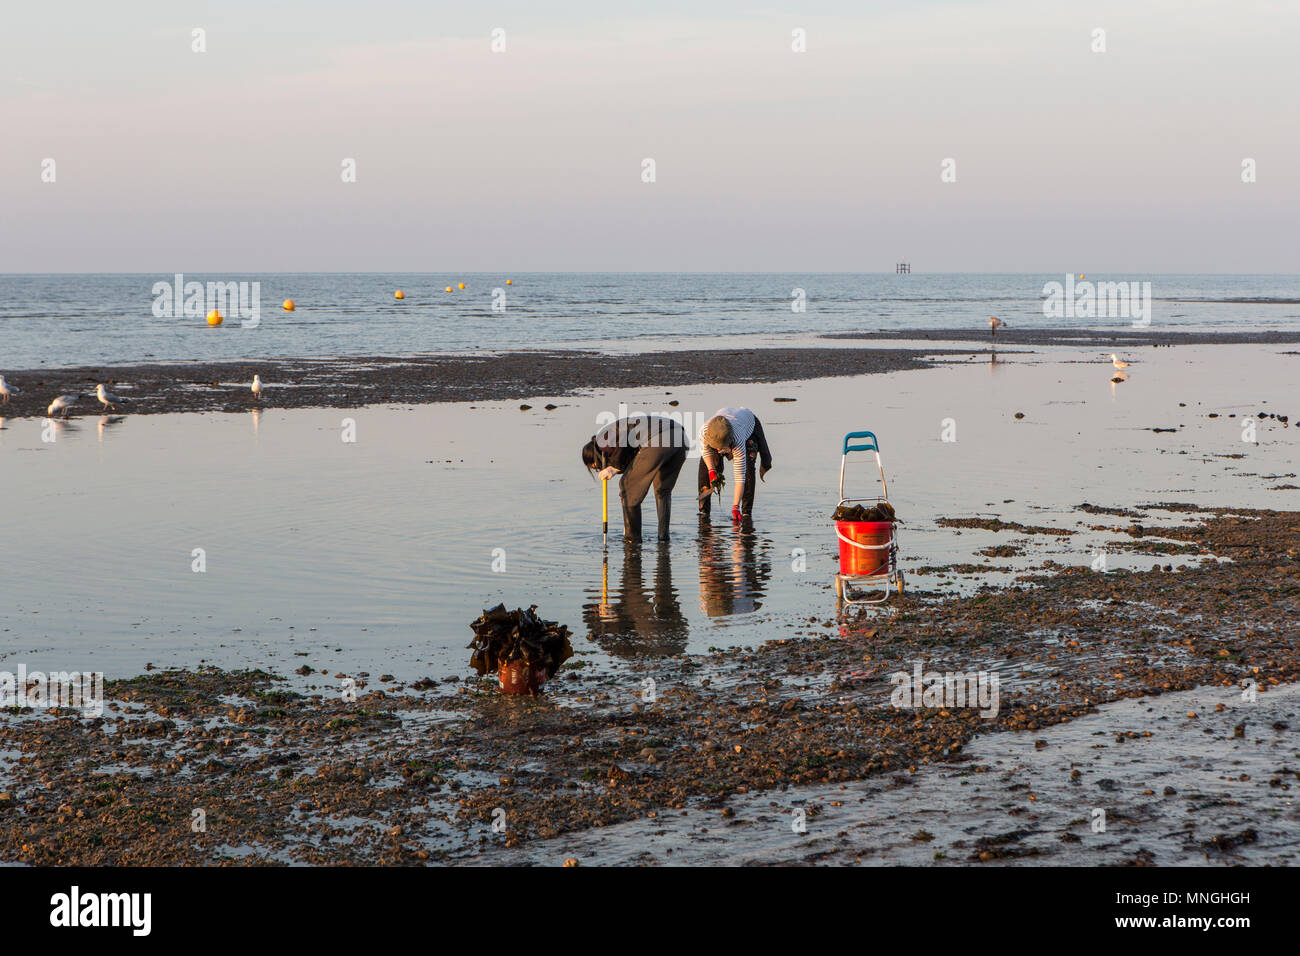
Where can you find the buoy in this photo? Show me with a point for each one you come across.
(288, 305)
(462, 285)
(510, 282)
(448, 288)
(399, 294)
(214, 318)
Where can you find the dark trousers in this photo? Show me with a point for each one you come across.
(657, 465)
(746, 496)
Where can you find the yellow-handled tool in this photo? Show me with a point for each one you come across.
(604, 514)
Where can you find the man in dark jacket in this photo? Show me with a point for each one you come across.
(644, 449)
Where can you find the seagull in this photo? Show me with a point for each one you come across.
(106, 398)
(6, 391)
(994, 322)
(1114, 360)
(257, 387)
(61, 405)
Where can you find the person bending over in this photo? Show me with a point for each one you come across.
(737, 434)
(644, 449)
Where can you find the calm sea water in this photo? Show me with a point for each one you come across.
(375, 555)
(61, 320)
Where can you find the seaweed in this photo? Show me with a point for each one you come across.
(714, 487)
(883, 511)
(501, 636)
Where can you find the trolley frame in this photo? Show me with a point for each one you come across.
(892, 575)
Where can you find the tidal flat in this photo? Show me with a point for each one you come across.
(331, 561)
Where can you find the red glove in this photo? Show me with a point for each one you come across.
(713, 476)
(735, 515)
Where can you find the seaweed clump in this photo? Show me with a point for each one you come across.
(883, 511)
(501, 636)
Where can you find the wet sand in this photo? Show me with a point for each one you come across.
(416, 380)
(1192, 778)
(420, 773)
(1094, 338)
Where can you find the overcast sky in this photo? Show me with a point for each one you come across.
(766, 159)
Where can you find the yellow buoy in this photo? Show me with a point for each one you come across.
(288, 305)
(448, 288)
(214, 318)
(462, 285)
(510, 282)
(399, 294)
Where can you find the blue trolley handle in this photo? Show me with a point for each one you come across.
(873, 445)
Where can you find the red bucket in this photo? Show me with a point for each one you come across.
(858, 561)
(516, 677)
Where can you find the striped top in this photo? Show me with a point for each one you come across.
(742, 427)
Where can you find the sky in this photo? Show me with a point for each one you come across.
(765, 159)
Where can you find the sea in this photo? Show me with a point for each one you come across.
(62, 320)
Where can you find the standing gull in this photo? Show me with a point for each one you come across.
(106, 398)
(1114, 360)
(257, 387)
(994, 322)
(6, 391)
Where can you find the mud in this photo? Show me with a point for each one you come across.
(422, 773)
(1194, 778)
(996, 524)
(356, 382)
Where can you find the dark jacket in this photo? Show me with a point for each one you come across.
(619, 442)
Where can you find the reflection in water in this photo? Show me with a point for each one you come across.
(732, 578)
(106, 421)
(1116, 379)
(54, 427)
(257, 422)
(633, 621)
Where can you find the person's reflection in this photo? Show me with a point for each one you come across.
(732, 578)
(634, 621)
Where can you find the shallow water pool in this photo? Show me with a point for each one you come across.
(374, 555)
